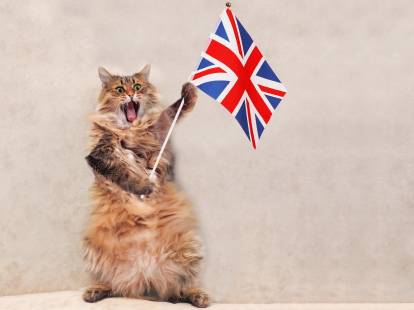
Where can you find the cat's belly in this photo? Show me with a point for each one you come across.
(145, 264)
(141, 272)
(142, 247)
(131, 268)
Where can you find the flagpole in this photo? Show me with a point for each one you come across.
(151, 176)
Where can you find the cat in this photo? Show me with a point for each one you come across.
(141, 239)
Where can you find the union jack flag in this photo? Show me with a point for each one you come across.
(233, 71)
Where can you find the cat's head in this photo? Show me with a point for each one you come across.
(129, 98)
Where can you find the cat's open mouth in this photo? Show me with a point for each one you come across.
(131, 111)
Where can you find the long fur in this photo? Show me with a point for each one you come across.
(142, 248)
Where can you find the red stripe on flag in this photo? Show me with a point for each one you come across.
(232, 99)
(253, 61)
(272, 91)
(258, 102)
(207, 72)
(235, 31)
(250, 123)
(225, 55)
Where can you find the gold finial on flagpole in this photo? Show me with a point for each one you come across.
(228, 4)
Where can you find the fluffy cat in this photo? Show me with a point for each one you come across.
(142, 248)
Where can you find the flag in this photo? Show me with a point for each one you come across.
(234, 72)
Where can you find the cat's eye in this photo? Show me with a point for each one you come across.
(137, 86)
(120, 89)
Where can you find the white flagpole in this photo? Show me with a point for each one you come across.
(167, 137)
(152, 174)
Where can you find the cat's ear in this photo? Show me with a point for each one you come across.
(104, 75)
(145, 72)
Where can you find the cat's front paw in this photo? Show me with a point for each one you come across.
(146, 190)
(189, 93)
(143, 190)
(136, 188)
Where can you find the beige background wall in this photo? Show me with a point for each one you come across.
(322, 211)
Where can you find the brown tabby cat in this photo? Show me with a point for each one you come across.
(138, 247)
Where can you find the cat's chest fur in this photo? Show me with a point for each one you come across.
(141, 145)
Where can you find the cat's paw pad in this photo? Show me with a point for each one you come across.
(199, 299)
(94, 294)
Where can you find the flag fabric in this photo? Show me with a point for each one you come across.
(234, 72)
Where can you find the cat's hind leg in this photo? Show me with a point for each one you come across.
(195, 296)
(97, 292)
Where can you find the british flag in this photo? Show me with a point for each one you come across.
(233, 71)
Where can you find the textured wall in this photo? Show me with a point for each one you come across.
(322, 211)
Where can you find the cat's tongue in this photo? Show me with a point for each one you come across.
(131, 113)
